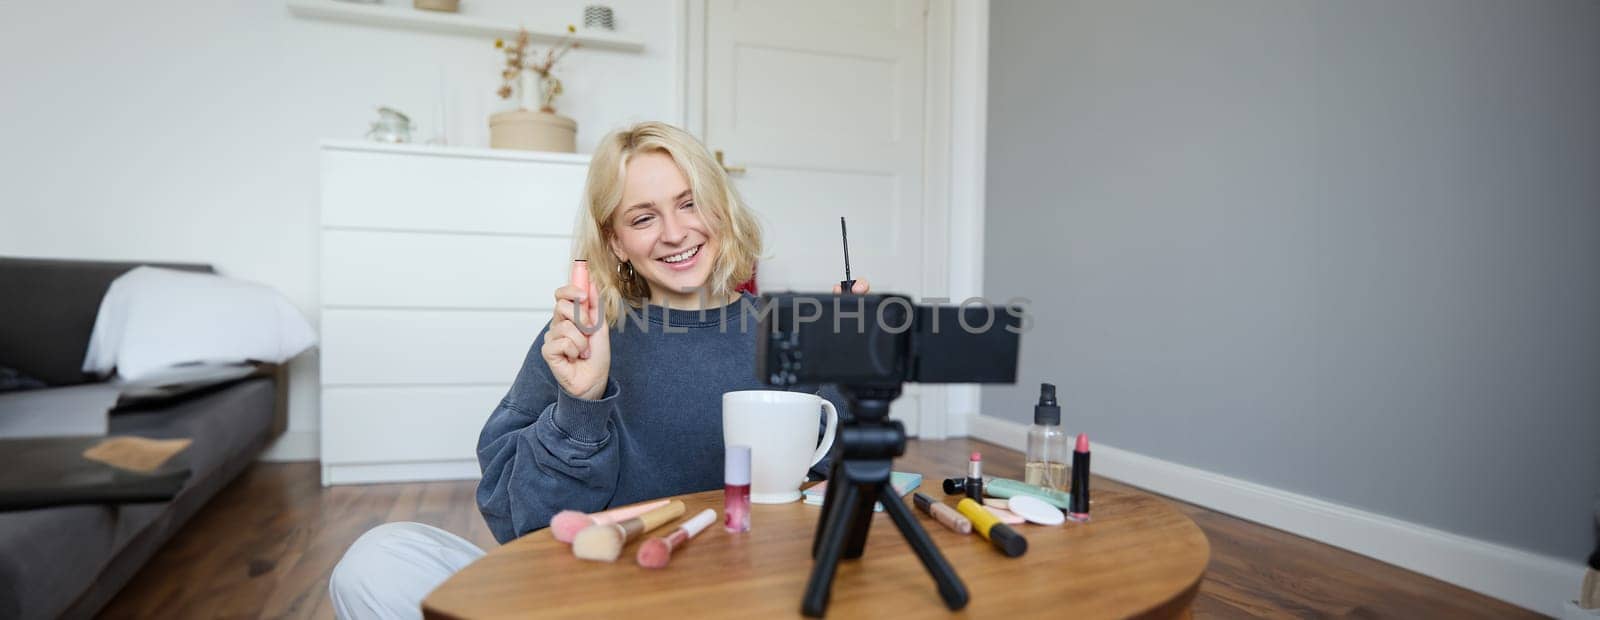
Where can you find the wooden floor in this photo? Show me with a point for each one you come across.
(266, 545)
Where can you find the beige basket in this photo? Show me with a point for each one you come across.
(533, 131)
(447, 6)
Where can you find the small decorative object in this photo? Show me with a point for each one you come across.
(444, 6)
(534, 126)
(599, 16)
(392, 126)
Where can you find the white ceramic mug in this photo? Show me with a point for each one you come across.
(781, 430)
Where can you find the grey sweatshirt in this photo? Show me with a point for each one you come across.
(657, 430)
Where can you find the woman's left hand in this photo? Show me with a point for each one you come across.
(861, 287)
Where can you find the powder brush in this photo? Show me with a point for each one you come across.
(604, 541)
(567, 523)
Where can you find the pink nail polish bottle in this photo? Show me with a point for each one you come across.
(736, 489)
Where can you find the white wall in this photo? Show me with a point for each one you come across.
(188, 131)
(1344, 250)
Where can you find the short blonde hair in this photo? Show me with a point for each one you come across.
(732, 224)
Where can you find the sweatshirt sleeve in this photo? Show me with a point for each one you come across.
(544, 450)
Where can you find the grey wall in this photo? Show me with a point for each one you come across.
(1346, 249)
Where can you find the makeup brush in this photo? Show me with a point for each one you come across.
(568, 523)
(604, 541)
(656, 552)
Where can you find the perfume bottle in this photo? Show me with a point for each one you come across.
(1046, 463)
(736, 489)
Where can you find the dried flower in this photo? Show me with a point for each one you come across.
(517, 62)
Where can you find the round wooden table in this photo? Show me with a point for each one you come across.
(1138, 556)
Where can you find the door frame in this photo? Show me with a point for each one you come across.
(954, 164)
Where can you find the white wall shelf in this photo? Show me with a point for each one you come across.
(405, 17)
(455, 151)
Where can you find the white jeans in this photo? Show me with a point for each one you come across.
(388, 570)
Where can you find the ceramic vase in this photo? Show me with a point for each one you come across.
(529, 129)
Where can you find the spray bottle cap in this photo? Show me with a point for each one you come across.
(1047, 412)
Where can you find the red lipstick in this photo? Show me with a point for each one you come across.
(1080, 480)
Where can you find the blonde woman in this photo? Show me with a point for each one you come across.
(625, 413)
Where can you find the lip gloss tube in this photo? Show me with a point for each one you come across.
(736, 489)
(945, 515)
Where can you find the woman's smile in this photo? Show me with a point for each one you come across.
(683, 261)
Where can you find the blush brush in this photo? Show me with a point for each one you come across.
(604, 541)
(656, 552)
(567, 523)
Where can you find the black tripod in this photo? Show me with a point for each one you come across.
(871, 441)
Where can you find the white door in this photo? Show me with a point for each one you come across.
(821, 103)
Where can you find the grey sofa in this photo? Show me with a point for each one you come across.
(69, 561)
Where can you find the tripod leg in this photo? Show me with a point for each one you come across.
(829, 547)
(870, 477)
(855, 543)
(837, 485)
(950, 586)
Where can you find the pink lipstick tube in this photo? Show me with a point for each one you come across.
(975, 477)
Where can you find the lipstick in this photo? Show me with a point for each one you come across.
(955, 486)
(1079, 509)
(945, 515)
(974, 485)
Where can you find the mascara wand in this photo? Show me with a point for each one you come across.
(848, 284)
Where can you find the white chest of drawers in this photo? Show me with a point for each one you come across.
(437, 271)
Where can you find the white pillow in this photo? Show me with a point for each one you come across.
(152, 319)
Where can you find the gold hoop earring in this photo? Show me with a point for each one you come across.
(630, 285)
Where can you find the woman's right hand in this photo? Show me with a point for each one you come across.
(580, 362)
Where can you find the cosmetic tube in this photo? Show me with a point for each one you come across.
(1079, 511)
(1008, 488)
(955, 486)
(1007, 540)
(975, 477)
(581, 312)
(736, 489)
(945, 515)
